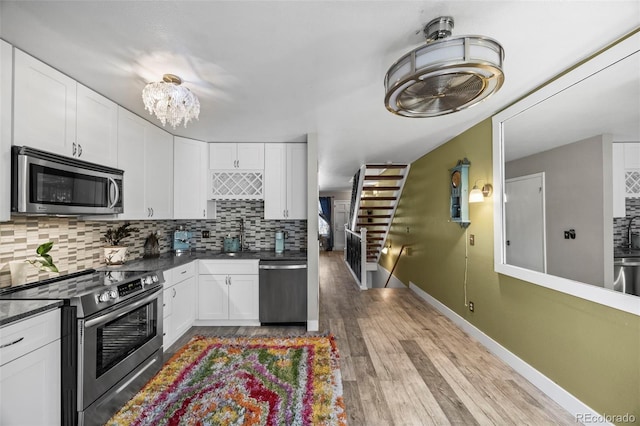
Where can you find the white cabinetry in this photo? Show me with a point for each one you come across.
(179, 299)
(30, 371)
(190, 170)
(6, 116)
(626, 175)
(285, 181)
(54, 113)
(145, 154)
(228, 292)
(238, 156)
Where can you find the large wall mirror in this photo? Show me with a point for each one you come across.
(567, 180)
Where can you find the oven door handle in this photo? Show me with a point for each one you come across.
(122, 311)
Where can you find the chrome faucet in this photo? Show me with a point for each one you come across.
(629, 239)
(242, 234)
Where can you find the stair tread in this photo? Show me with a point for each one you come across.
(374, 216)
(376, 207)
(378, 198)
(380, 188)
(383, 177)
(386, 166)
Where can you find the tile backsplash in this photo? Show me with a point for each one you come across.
(78, 243)
(620, 223)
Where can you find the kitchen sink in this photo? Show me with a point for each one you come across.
(626, 275)
(627, 261)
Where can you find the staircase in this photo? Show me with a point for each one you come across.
(376, 191)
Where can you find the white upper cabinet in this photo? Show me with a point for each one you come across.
(44, 106)
(6, 76)
(190, 169)
(145, 153)
(285, 181)
(236, 156)
(54, 113)
(96, 127)
(131, 138)
(158, 170)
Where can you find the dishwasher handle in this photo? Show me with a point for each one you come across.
(281, 267)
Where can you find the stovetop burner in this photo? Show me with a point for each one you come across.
(90, 290)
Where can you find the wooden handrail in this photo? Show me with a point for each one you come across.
(394, 266)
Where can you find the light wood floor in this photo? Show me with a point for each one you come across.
(403, 363)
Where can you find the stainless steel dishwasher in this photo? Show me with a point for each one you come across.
(283, 291)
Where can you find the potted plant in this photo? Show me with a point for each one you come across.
(43, 261)
(114, 253)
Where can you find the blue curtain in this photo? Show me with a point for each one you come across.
(325, 205)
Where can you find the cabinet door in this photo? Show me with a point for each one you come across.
(44, 106)
(619, 189)
(158, 170)
(243, 297)
(190, 178)
(213, 293)
(131, 137)
(167, 332)
(275, 182)
(250, 156)
(222, 156)
(96, 128)
(183, 306)
(30, 388)
(296, 181)
(6, 117)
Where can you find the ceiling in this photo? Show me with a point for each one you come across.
(274, 71)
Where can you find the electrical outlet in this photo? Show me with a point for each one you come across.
(472, 240)
(205, 234)
(471, 307)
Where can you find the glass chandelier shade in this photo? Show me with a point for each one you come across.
(170, 101)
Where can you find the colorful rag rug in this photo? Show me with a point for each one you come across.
(243, 381)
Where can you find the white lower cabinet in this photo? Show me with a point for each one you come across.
(228, 292)
(30, 371)
(179, 300)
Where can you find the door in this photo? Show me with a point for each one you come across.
(340, 218)
(131, 134)
(525, 222)
(243, 297)
(96, 128)
(213, 297)
(158, 169)
(222, 156)
(275, 181)
(184, 306)
(250, 156)
(190, 179)
(296, 181)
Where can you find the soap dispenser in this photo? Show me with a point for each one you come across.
(279, 242)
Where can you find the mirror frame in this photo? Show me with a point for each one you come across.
(600, 295)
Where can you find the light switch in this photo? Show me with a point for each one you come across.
(472, 240)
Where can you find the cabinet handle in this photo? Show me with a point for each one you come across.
(148, 212)
(73, 149)
(229, 280)
(184, 272)
(204, 213)
(79, 150)
(12, 343)
(174, 293)
(151, 211)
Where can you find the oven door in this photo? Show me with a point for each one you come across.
(114, 343)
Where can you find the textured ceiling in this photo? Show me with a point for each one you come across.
(277, 70)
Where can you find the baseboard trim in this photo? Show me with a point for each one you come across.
(313, 325)
(573, 405)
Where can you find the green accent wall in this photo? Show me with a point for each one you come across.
(590, 350)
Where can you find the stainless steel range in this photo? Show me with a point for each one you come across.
(111, 338)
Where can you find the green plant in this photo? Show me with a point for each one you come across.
(44, 261)
(114, 236)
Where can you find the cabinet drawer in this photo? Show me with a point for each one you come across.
(28, 335)
(183, 272)
(239, 266)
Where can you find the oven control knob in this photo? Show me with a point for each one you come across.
(104, 297)
(147, 280)
(113, 294)
(154, 278)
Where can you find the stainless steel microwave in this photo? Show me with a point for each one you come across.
(44, 183)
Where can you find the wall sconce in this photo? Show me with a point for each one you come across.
(478, 195)
(386, 248)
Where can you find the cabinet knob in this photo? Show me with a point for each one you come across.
(73, 149)
(79, 150)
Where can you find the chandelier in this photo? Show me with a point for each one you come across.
(445, 75)
(170, 101)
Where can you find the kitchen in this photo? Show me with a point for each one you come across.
(79, 244)
(196, 200)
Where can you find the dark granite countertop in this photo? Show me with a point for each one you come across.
(15, 310)
(171, 260)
